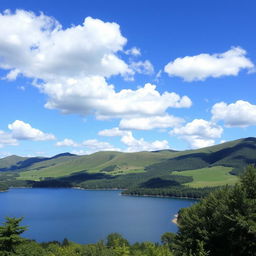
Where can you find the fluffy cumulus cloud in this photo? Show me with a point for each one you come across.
(92, 95)
(24, 131)
(149, 123)
(133, 144)
(238, 114)
(67, 143)
(71, 66)
(19, 130)
(38, 46)
(199, 133)
(202, 66)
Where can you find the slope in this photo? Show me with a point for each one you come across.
(112, 163)
(117, 169)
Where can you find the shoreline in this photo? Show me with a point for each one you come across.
(175, 219)
(79, 188)
(159, 196)
(113, 189)
(100, 189)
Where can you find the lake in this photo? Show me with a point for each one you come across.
(86, 216)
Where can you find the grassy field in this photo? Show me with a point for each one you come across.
(126, 163)
(209, 177)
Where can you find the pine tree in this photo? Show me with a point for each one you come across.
(10, 235)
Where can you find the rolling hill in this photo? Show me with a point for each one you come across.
(207, 167)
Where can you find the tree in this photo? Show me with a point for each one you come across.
(116, 240)
(224, 223)
(65, 242)
(248, 180)
(10, 235)
(168, 239)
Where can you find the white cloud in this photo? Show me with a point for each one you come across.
(91, 146)
(12, 75)
(67, 143)
(95, 146)
(134, 51)
(24, 131)
(39, 47)
(202, 66)
(238, 114)
(73, 64)
(6, 139)
(114, 132)
(80, 152)
(133, 144)
(136, 145)
(149, 123)
(199, 133)
(92, 95)
(142, 67)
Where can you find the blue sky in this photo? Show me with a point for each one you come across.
(86, 76)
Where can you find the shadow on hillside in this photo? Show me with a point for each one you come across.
(70, 181)
(238, 156)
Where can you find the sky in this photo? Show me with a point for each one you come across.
(86, 76)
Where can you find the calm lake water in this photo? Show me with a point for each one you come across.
(89, 216)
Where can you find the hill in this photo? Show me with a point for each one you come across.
(207, 167)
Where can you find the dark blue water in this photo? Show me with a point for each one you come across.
(89, 216)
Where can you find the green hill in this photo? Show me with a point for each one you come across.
(236, 154)
(207, 167)
(111, 163)
(10, 161)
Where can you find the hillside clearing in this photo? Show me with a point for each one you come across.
(209, 177)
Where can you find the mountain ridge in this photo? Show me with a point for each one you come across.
(111, 169)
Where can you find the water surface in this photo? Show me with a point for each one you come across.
(88, 216)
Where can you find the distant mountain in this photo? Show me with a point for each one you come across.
(112, 169)
(17, 163)
(9, 161)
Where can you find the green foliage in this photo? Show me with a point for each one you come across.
(224, 223)
(116, 240)
(30, 248)
(9, 179)
(3, 186)
(176, 191)
(10, 235)
(12, 244)
(65, 242)
(168, 239)
(248, 180)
